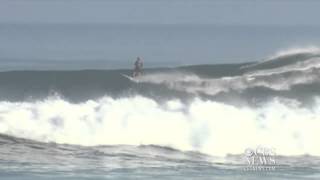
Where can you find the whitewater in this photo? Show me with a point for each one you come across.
(183, 118)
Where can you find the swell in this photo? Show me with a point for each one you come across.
(184, 83)
(73, 154)
(83, 85)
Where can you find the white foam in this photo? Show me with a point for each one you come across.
(205, 126)
(312, 50)
(276, 79)
(294, 51)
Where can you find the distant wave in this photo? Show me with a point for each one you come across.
(212, 86)
(283, 73)
(295, 51)
(285, 58)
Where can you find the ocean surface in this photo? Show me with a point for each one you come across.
(67, 111)
(190, 122)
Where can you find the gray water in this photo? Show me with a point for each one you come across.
(25, 159)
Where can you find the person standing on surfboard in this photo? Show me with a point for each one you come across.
(138, 65)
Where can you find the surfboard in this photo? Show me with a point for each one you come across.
(130, 78)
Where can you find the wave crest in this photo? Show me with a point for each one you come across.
(205, 126)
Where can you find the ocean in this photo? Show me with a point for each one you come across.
(67, 111)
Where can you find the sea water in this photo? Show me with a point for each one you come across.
(66, 112)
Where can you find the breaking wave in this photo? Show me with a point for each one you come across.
(282, 72)
(204, 126)
(188, 108)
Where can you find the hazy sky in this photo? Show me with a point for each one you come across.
(284, 12)
(175, 31)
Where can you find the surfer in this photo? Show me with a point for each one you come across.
(138, 65)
